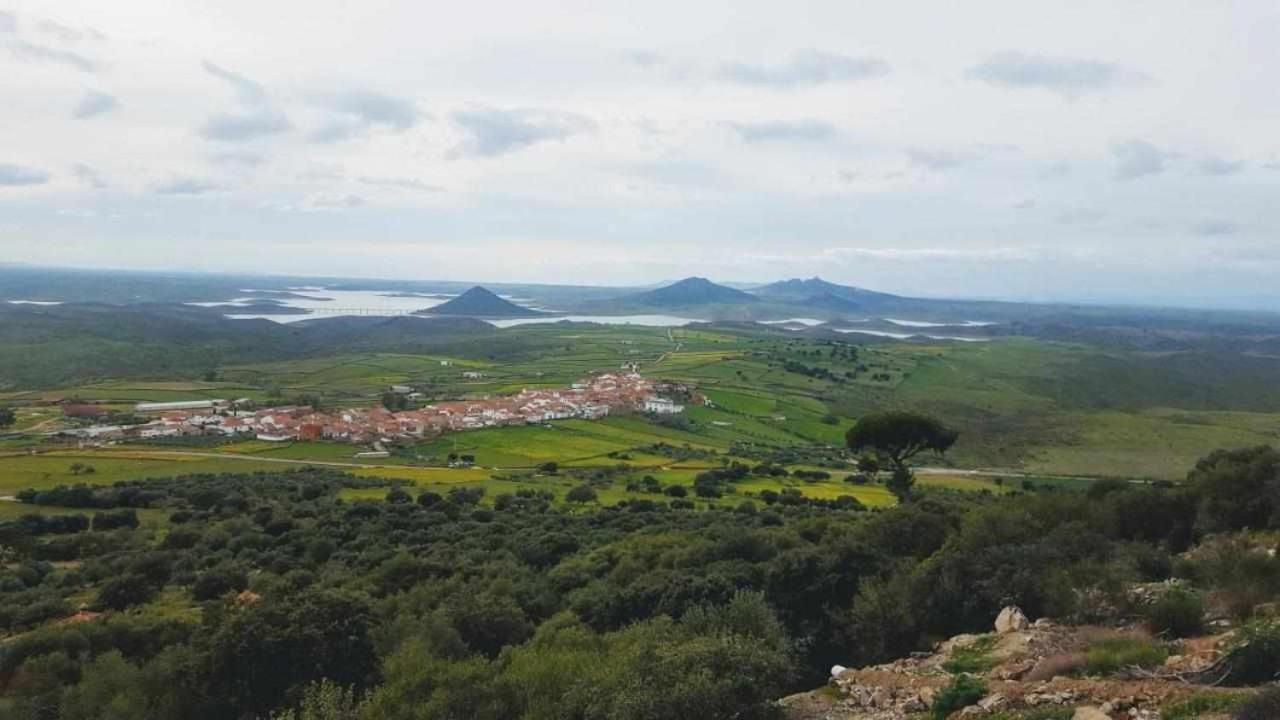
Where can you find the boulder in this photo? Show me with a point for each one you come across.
(1088, 712)
(1011, 619)
(837, 670)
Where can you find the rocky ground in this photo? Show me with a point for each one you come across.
(1026, 667)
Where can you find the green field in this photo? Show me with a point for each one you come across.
(1021, 405)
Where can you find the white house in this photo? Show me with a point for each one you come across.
(662, 406)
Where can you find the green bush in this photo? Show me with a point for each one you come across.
(1109, 655)
(1179, 613)
(1255, 658)
(964, 690)
(1200, 704)
(1263, 706)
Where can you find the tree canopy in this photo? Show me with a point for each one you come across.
(900, 436)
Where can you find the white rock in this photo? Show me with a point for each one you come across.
(1089, 713)
(991, 702)
(836, 670)
(1011, 619)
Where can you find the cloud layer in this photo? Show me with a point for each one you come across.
(1002, 149)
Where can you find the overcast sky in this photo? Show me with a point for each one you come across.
(1106, 151)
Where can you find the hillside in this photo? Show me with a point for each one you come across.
(479, 302)
(42, 346)
(690, 292)
(1035, 670)
(813, 288)
(833, 303)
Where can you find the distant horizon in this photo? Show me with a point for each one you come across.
(734, 283)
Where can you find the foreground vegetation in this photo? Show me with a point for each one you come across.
(257, 593)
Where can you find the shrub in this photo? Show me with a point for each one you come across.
(964, 690)
(1109, 655)
(1179, 613)
(1256, 654)
(975, 658)
(1263, 706)
(581, 494)
(1052, 666)
(1201, 704)
(124, 592)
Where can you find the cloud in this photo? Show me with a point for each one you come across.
(256, 118)
(937, 159)
(644, 58)
(803, 130)
(400, 184)
(806, 69)
(1215, 228)
(853, 254)
(1066, 76)
(88, 176)
(322, 202)
(491, 132)
(62, 33)
(238, 158)
(1219, 166)
(242, 126)
(1138, 158)
(1081, 216)
(186, 186)
(95, 103)
(8, 22)
(1056, 171)
(31, 52)
(360, 110)
(248, 90)
(17, 175)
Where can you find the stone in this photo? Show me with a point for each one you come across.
(927, 695)
(837, 670)
(959, 642)
(881, 698)
(1088, 712)
(991, 702)
(1011, 619)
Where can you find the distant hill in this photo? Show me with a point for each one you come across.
(478, 302)
(817, 289)
(833, 303)
(689, 292)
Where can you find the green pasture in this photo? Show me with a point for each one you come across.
(47, 470)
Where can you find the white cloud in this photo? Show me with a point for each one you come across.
(620, 146)
(1067, 76)
(806, 68)
(12, 175)
(1138, 158)
(491, 132)
(94, 103)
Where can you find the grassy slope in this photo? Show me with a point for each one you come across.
(1021, 404)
